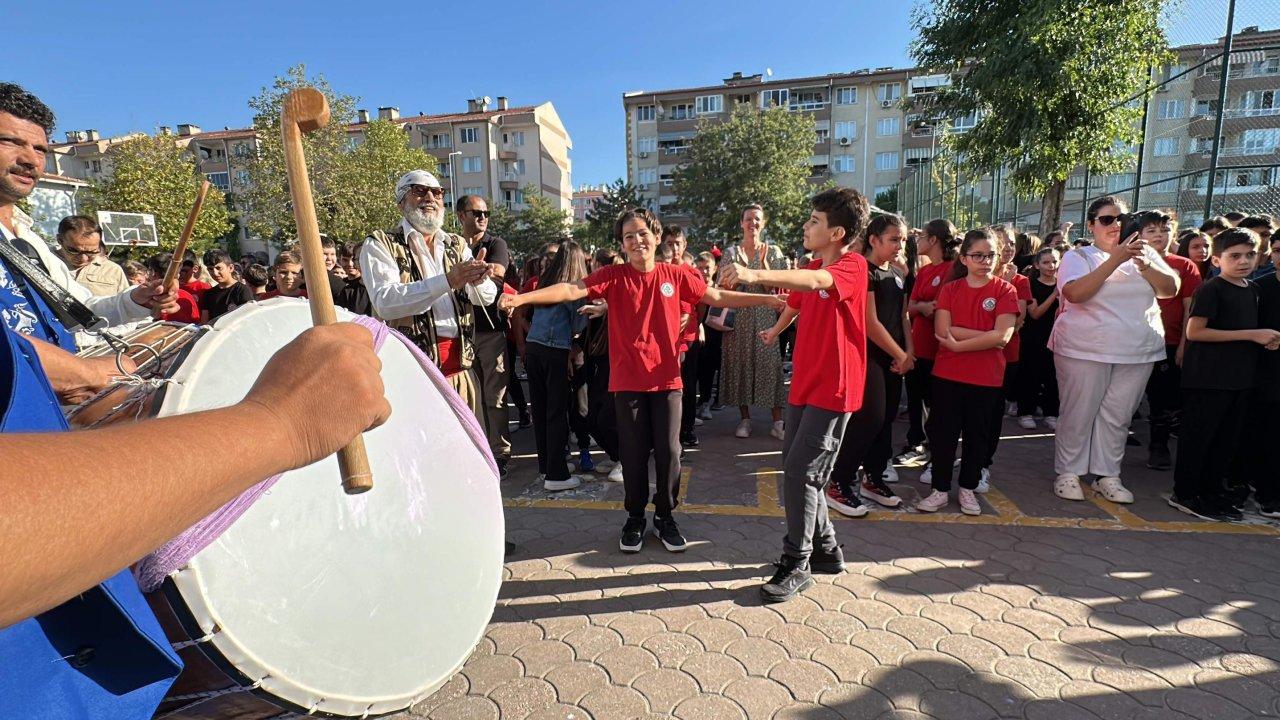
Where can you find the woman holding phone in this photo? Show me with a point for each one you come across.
(1107, 337)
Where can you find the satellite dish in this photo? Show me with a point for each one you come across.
(487, 100)
(768, 72)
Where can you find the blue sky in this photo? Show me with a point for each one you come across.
(140, 65)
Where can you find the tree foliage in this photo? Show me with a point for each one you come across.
(538, 223)
(598, 228)
(353, 182)
(1047, 79)
(756, 156)
(887, 200)
(154, 175)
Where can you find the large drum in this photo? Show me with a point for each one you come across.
(314, 601)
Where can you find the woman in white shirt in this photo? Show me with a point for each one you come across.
(1106, 339)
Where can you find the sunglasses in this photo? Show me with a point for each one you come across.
(479, 213)
(423, 191)
(1105, 220)
(982, 257)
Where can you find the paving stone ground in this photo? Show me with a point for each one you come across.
(1041, 609)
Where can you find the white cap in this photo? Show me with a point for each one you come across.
(414, 177)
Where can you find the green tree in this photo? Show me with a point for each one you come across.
(539, 222)
(359, 196)
(756, 156)
(598, 228)
(888, 200)
(153, 175)
(1048, 82)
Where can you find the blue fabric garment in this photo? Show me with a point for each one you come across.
(23, 310)
(101, 655)
(555, 325)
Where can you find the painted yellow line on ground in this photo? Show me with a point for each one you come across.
(767, 490)
(1002, 504)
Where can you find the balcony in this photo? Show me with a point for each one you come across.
(811, 105)
(507, 152)
(509, 181)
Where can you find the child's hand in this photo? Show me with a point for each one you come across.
(733, 273)
(767, 336)
(903, 365)
(594, 311)
(1267, 337)
(948, 342)
(776, 302)
(927, 308)
(508, 303)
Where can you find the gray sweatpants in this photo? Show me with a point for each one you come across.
(1098, 402)
(492, 378)
(809, 450)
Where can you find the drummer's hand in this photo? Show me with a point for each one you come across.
(321, 390)
(152, 295)
(93, 374)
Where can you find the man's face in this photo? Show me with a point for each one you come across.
(222, 273)
(23, 145)
(427, 203)
(638, 241)
(79, 249)
(475, 219)
(330, 257)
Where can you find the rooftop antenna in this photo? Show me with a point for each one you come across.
(768, 72)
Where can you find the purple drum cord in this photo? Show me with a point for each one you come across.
(151, 571)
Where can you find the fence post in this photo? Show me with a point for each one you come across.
(1142, 146)
(995, 197)
(1222, 112)
(1084, 201)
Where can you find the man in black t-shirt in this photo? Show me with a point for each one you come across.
(490, 365)
(353, 296)
(1219, 369)
(1263, 426)
(227, 293)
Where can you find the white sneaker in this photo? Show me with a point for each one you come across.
(1011, 409)
(615, 475)
(603, 467)
(778, 431)
(1026, 422)
(1111, 489)
(1051, 421)
(890, 475)
(568, 483)
(984, 483)
(927, 475)
(698, 422)
(704, 411)
(1067, 487)
(969, 504)
(744, 429)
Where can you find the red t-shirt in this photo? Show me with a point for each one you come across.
(928, 284)
(1022, 286)
(690, 333)
(830, 358)
(975, 309)
(188, 309)
(196, 288)
(276, 293)
(1172, 312)
(644, 323)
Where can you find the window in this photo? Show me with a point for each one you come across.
(472, 164)
(645, 113)
(808, 100)
(242, 178)
(1260, 141)
(1171, 109)
(847, 96)
(887, 161)
(1162, 182)
(666, 180)
(822, 135)
(842, 163)
(1169, 71)
(775, 98)
(1258, 100)
(647, 176)
(220, 153)
(513, 197)
(1204, 145)
(241, 150)
(97, 166)
(888, 92)
(683, 111)
(846, 131)
(1119, 182)
(443, 169)
(515, 139)
(1075, 182)
(519, 167)
(646, 144)
(1165, 147)
(886, 127)
(964, 124)
(476, 190)
(220, 180)
(707, 104)
(469, 135)
(439, 140)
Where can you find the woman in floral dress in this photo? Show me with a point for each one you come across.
(751, 372)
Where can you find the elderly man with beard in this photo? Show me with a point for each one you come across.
(424, 282)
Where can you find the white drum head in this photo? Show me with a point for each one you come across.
(339, 603)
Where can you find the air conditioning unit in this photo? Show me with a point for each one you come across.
(642, 155)
(886, 103)
(845, 141)
(642, 188)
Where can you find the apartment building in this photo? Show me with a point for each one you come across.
(497, 152)
(584, 198)
(868, 138)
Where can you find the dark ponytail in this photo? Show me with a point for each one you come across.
(945, 232)
(958, 270)
(878, 225)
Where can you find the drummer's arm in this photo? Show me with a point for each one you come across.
(80, 506)
(73, 378)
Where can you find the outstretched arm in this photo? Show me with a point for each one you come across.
(715, 297)
(550, 295)
(786, 279)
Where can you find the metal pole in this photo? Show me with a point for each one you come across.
(995, 196)
(1084, 201)
(1142, 147)
(1222, 111)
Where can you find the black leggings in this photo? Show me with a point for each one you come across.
(1037, 382)
(548, 370)
(960, 409)
(689, 369)
(709, 363)
(515, 390)
(863, 429)
(919, 384)
(649, 423)
(1011, 371)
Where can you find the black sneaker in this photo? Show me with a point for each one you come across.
(632, 539)
(688, 440)
(666, 530)
(526, 419)
(823, 562)
(790, 580)
(1159, 458)
(878, 490)
(1271, 509)
(1197, 507)
(1227, 504)
(911, 455)
(1237, 495)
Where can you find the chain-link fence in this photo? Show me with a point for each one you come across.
(1210, 140)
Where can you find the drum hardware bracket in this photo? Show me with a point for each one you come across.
(190, 643)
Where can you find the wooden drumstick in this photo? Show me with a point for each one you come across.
(171, 275)
(306, 110)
